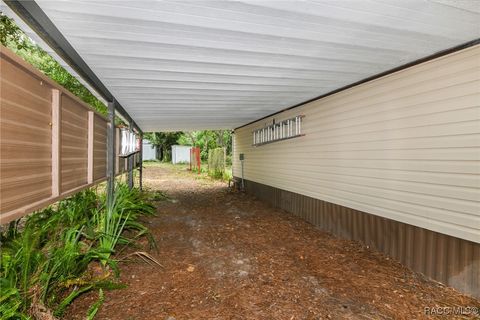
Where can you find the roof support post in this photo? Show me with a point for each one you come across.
(130, 166)
(111, 154)
(140, 163)
(130, 160)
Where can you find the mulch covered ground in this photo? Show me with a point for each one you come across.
(226, 255)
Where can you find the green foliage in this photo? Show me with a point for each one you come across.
(11, 34)
(164, 142)
(111, 221)
(46, 263)
(68, 300)
(12, 37)
(10, 301)
(206, 140)
(216, 163)
(94, 308)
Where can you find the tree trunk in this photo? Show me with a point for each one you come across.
(160, 152)
(190, 135)
(220, 138)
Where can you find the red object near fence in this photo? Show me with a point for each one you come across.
(195, 160)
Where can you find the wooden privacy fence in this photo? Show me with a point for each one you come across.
(52, 144)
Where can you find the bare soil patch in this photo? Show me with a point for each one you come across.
(229, 256)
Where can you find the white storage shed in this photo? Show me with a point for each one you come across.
(180, 154)
(149, 151)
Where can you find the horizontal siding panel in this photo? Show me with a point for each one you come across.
(21, 78)
(468, 207)
(28, 167)
(405, 147)
(410, 123)
(99, 136)
(396, 210)
(425, 102)
(373, 134)
(22, 125)
(430, 178)
(449, 141)
(10, 151)
(10, 132)
(466, 95)
(13, 114)
(428, 188)
(405, 83)
(11, 201)
(469, 154)
(18, 99)
(71, 127)
(10, 187)
(71, 141)
(99, 153)
(390, 114)
(73, 106)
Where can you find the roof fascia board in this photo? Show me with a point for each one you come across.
(376, 76)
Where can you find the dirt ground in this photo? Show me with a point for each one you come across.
(226, 255)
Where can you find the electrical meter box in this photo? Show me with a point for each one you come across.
(242, 156)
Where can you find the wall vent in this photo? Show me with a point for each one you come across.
(283, 130)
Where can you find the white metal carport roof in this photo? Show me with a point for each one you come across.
(187, 65)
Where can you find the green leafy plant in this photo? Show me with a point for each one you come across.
(44, 264)
(94, 308)
(10, 302)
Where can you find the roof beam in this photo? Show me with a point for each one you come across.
(39, 22)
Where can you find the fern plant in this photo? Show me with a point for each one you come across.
(43, 264)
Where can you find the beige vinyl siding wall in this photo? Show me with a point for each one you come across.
(405, 146)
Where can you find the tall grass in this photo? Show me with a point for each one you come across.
(44, 264)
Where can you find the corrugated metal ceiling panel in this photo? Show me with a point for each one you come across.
(184, 65)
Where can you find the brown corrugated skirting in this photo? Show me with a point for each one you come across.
(452, 261)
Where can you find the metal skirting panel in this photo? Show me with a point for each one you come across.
(452, 261)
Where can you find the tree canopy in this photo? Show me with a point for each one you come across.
(205, 140)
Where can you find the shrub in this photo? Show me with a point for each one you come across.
(44, 265)
(216, 163)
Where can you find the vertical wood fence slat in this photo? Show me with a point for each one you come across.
(74, 148)
(99, 148)
(56, 142)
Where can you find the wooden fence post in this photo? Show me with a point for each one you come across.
(56, 142)
(91, 132)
